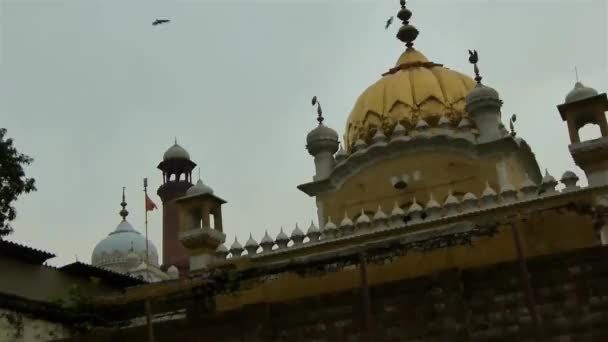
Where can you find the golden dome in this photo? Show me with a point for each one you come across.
(414, 89)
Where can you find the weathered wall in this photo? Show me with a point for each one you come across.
(42, 283)
(545, 233)
(483, 304)
(18, 327)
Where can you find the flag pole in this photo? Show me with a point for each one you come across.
(147, 304)
(146, 224)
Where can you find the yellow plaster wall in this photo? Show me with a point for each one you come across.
(440, 173)
(546, 233)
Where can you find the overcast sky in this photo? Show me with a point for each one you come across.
(96, 95)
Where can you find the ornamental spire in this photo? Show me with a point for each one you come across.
(474, 59)
(319, 110)
(123, 204)
(407, 33)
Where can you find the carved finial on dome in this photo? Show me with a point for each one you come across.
(474, 59)
(175, 140)
(511, 124)
(407, 33)
(123, 204)
(319, 110)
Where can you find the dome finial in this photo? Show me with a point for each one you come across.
(176, 140)
(319, 110)
(407, 33)
(512, 124)
(576, 74)
(199, 173)
(123, 204)
(474, 59)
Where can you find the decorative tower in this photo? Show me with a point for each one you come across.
(177, 179)
(201, 229)
(322, 143)
(583, 105)
(483, 105)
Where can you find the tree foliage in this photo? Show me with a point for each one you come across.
(13, 181)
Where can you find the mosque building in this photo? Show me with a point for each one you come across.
(426, 180)
(127, 251)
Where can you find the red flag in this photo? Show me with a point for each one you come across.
(149, 204)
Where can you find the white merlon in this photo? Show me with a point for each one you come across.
(433, 209)
(251, 246)
(221, 251)
(379, 137)
(488, 196)
(313, 232)
(282, 239)
(267, 242)
(451, 204)
(398, 131)
(346, 226)
(330, 229)
(297, 235)
(415, 211)
(236, 249)
(548, 184)
(470, 202)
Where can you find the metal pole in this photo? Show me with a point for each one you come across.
(148, 306)
(530, 299)
(367, 311)
(149, 321)
(146, 224)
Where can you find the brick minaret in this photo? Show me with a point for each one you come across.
(177, 178)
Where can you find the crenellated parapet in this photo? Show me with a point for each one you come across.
(445, 127)
(409, 215)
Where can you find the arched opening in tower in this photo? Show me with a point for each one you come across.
(590, 131)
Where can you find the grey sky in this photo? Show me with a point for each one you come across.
(96, 94)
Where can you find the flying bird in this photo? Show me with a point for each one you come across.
(160, 21)
(388, 23)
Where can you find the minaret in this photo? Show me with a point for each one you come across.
(177, 179)
(583, 105)
(322, 142)
(483, 105)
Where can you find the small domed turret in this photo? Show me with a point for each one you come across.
(482, 94)
(322, 143)
(176, 152)
(199, 188)
(483, 105)
(322, 138)
(580, 92)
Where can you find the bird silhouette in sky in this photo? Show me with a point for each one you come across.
(160, 21)
(388, 23)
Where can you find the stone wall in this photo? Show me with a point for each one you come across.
(19, 327)
(484, 304)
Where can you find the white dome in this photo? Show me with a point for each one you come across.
(198, 189)
(115, 248)
(176, 152)
(580, 92)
